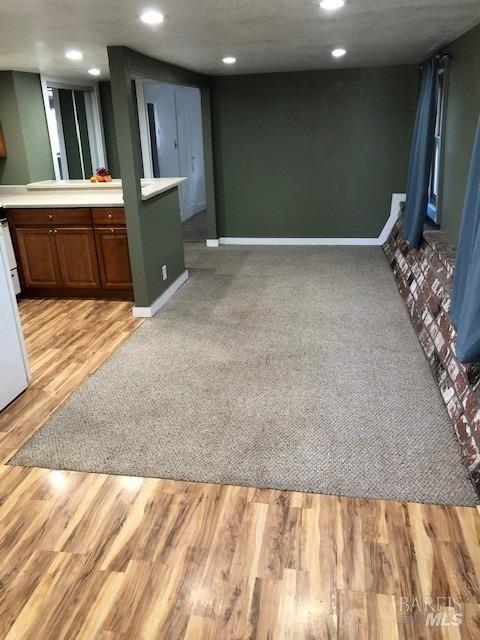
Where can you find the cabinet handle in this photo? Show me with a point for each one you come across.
(54, 231)
(112, 230)
(50, 231)
(50, 217)
(110, 216)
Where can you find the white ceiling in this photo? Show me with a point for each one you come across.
(265, 35)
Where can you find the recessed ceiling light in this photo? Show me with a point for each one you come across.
(152, 17)
(229, 60)
(331, 5)
(338, 53)
(73, 54)
(94, 71)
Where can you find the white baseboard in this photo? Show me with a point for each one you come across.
(149, 312)
(300, 241)
(397, 198)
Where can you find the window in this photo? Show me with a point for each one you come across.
(74, 125)
(433, 210)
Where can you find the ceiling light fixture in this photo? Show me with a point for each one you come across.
(94, 71)
(152, 17)
(73, 54)
(339, 53)
(229, 60)
(331, 5)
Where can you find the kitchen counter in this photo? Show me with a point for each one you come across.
(78, 193)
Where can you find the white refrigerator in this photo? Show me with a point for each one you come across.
(14, 371)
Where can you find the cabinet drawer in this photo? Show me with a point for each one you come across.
(42, 217)
(109, 215)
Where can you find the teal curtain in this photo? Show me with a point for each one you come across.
(421, 154)
(465, 311)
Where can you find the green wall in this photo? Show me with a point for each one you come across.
(14, 168)
(311, 154)
(462, 113)
(22, 118)
(113, 161)
(154, 227)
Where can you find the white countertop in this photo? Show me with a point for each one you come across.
(78, 193)
(79, 184)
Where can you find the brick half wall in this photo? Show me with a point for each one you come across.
(424, 277)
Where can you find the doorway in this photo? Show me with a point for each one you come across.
(170, 118)
(75, 129)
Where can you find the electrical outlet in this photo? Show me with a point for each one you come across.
(164, 272)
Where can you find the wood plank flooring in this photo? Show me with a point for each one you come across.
(97, 556)
(66, 340)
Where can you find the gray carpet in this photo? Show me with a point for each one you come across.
(195, 229)
(292, 368)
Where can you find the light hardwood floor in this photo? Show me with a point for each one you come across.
(96, 556)
(66, 341)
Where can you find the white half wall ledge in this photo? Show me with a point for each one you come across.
(397, 199)
(149, 312)
(212, 242)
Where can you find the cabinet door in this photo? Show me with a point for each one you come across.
(113, 258)
(77, 257)
(38, 257)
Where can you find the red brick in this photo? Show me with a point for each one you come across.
(471, 452)
(462, 429)
(447, 391)
(471, 404)
(461, 384)
(424, 280)
(476, 424)
(455, 409)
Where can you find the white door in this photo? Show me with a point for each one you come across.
(162, 96)
(187, 168)
(178, 140)
(190, 140)
(13, 371)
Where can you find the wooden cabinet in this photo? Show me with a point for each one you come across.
(38, 257)
(113, 260)
(77, 257)
(50, 217)
(108, 215)
(71, 252)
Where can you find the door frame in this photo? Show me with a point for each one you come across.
(152, 127)
(125, 66)
(145, 141)
(144, 127)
